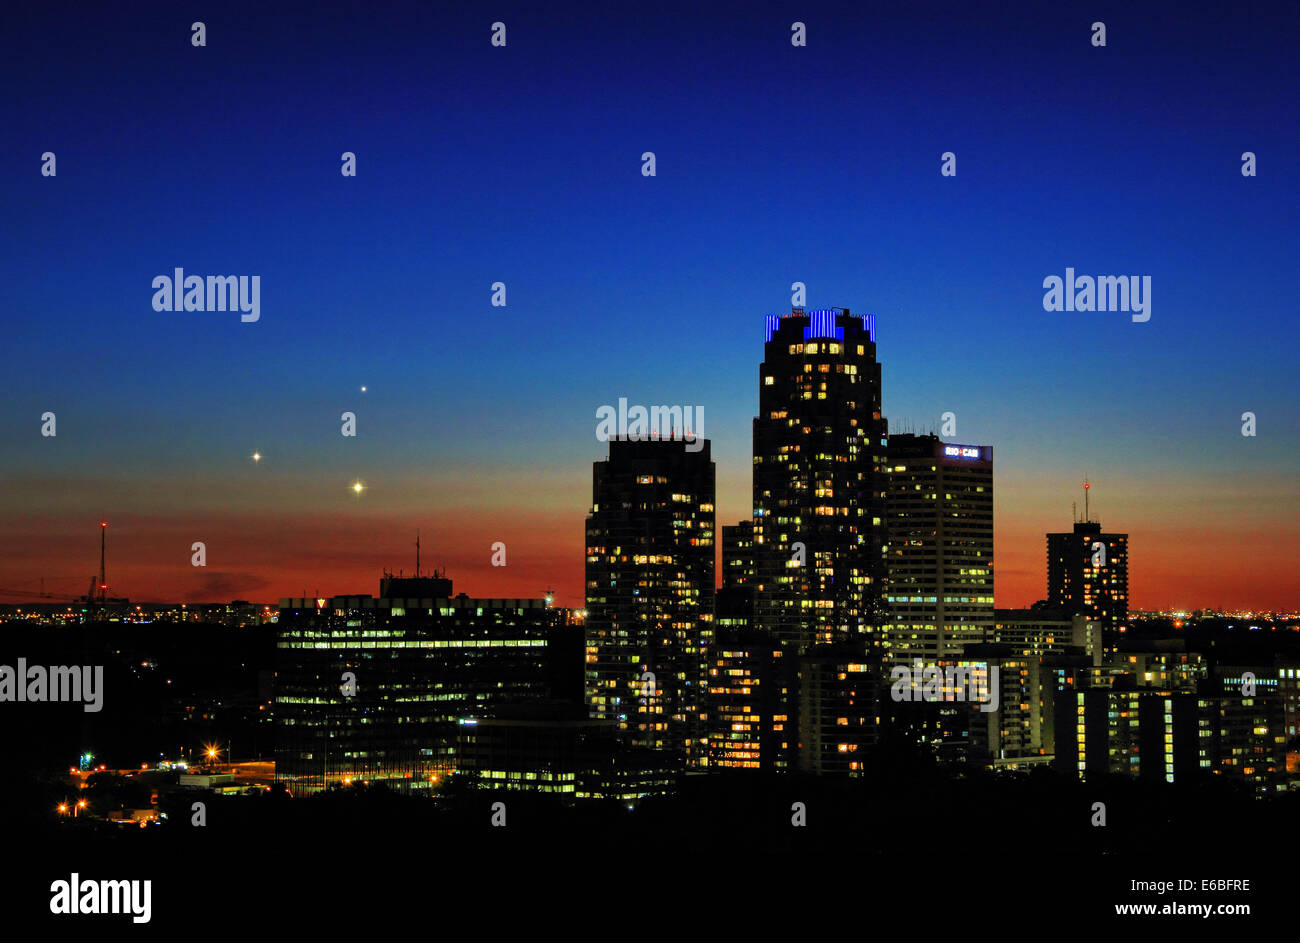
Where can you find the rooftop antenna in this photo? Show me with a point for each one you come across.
(1074, 511)
(417, 553)
(103, 583)
(1086, 486)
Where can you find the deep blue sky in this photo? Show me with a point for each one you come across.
(522, 164)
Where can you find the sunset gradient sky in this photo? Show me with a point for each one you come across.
(522, 164)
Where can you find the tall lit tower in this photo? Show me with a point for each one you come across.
(819, 483)
(940, 559)
(650, 592)
(103, 581)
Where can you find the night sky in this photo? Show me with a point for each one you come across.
(522, 164)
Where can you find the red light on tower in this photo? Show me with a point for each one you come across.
(103, 580)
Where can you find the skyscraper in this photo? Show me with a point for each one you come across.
(375, 689)
(650, 592)
(940, 557)
(819, 449)
(1087, 572)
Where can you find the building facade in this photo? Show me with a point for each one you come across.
(1087, 572)
(375, 689)
(650, 593)
(940, 552)
(738, 555)
(750, 684)
(819, 485)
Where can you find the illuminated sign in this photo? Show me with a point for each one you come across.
(961, 451)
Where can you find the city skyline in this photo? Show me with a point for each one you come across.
(457, 456)
(392, 547)
(523, 165)
(390, 543)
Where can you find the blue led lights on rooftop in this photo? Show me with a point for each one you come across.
(822, 324)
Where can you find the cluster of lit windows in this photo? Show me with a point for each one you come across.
(421, 643)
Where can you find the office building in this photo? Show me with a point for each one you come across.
(650, 593)
(555, 748)
(1043, 631)
(819, 486)
(940, 551)
(374, 689)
